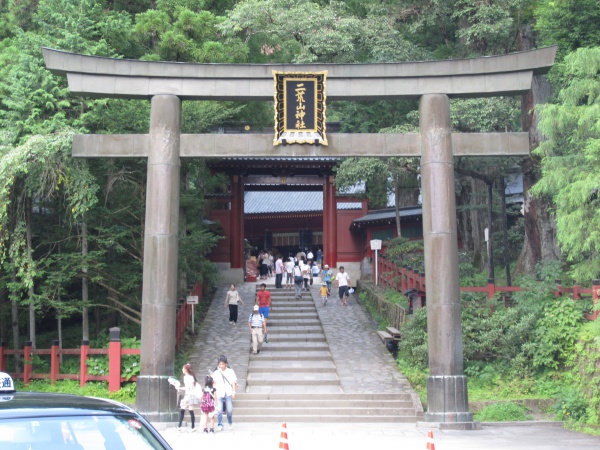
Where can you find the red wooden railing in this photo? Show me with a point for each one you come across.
(404, 279)
(114, 352)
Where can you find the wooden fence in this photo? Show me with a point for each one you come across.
(405, 279)
(114, 352)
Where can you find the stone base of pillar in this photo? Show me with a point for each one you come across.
(467, 426)
(156, 399)
(447, 400)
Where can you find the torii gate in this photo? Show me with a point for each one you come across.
(433, 82)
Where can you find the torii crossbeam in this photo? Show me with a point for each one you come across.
(433, 82)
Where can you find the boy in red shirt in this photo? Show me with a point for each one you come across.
(263, 300)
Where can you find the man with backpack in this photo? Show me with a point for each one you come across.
(257, 325)
(225, 382)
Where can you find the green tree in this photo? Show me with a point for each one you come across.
(303, 31)
(570, 156)
(567, 23)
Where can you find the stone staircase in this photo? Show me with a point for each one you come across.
(294, 377)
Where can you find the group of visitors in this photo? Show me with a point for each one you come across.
(215, 397)
(257, 322)
(266, 264)
(218, 392)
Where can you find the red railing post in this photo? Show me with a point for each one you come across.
(54, 362)
(2, 357)
(558, 292)
(83, 368)
(491, 288)
(404, 283)
(595, 297)
(410, 278)
(27, 366)
(422, 281)
(577, 292)
(114, 360)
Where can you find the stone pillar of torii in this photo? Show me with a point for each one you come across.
(432, 82)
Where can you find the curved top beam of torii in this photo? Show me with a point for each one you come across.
(95, 76)
(491, 76)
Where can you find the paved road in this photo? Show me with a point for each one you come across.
(364, 365)
(385, 436)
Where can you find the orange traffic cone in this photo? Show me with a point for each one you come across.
(283, 441)
(430, 444)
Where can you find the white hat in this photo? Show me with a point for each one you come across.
(255, 307)
(326, 266)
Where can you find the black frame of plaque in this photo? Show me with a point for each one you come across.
(313, 106)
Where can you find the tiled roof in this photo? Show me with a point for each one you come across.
(264, 202)
(384, 214)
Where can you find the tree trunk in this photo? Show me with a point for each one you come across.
(490, 241)
(31, 293)
(540, 228)
(85, 320)
(14, 314)
(506, 255)
(472, 219)
(185, 180)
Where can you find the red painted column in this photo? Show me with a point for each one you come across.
(326, 214)
(27, 366)
(329, 223)
(114, 360)
(83, 368)
(54, 362)
(237, 222)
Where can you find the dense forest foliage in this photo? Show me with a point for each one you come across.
(71, 230)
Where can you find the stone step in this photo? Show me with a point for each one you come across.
(317, 406)
(292, 329)
(292, 349)
(291, 323)
(293, 337)
(289, 293)
(293, 310)
(293, 315)
(285, 356)
(295, 379)
(292, 301)
(307, 403)
(324, 419)
(341, 396)
(258, 365)
(312, 389)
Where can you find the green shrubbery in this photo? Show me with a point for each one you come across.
(91, 389)
(539, 347)
(130, 364)
(503, 412)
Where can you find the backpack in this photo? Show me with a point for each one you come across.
(208, 402)
(298, 275)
